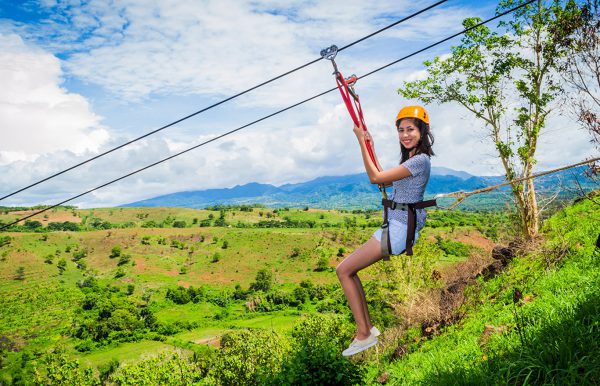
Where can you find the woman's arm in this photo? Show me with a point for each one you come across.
(385, 177)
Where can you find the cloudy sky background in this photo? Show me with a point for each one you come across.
(79, 78)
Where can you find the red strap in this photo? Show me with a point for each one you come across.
(355, 111)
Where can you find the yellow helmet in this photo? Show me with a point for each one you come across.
(413, 112)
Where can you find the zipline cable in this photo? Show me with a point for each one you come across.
(223, 101)
(267, 116)
(461, 195)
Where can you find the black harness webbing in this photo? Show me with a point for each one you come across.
(411, 208)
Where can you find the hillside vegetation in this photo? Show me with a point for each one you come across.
(248, 295)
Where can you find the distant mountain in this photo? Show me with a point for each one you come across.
(442, 171)
(353, 191)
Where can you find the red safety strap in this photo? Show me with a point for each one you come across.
(355, 110)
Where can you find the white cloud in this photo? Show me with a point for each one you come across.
(37, 116)
(140, 50)
(136, 48)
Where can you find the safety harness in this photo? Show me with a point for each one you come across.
(346, 88)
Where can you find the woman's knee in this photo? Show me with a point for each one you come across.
(342, 270)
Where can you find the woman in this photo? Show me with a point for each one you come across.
(409, 180)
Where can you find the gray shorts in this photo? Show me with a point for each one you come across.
(397, 236)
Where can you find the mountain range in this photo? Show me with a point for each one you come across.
(355, 191)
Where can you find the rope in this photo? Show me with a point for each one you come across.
(260, 119)
(220, 102)
(461, 195)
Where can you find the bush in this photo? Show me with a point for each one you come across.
(168, 370)
(124, 259)
(263, 281)
(179, 224)
(5, 240)
(79, 255)
(115, 252)
(20, 273)
(452, 247)
(120, 273)
(58, 369)
(322, 264)
(62, 266)
(249, 358)
(178, 295)
(32, 224)
(316, 357)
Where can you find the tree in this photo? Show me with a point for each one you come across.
(488, 73)
(582, 68)
(263, 281)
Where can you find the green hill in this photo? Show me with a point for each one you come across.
(249, 296)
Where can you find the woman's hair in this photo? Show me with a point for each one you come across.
(425, 143)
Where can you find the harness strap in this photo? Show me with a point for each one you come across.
(352, 102)
(411, 208)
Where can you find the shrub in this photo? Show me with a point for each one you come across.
(124, 259)
(79, 255)
(263, 281)
(120, 273)
(5, 240)
(177, 244)
(32, 224)
(452, 247)
(316, 357)
(216, 257)
(58, 369)
(178, 295)
(249, 358)
(295, 252)
(62, 266)
(179, 224)
(165, 369)
(20, 273)
(150, 224)
(322, 264)
(115, 252)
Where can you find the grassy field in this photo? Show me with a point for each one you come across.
(43, 275)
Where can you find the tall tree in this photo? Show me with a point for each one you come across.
(582, 68)
(509, 82)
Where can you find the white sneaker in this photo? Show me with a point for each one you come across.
(360, 345)
(375, 332)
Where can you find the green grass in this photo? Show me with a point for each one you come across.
(554, 337)
(124, 353)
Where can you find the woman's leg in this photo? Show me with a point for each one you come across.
(367, 254)
(364, 301)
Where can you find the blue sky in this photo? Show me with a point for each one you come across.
(84, 76)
